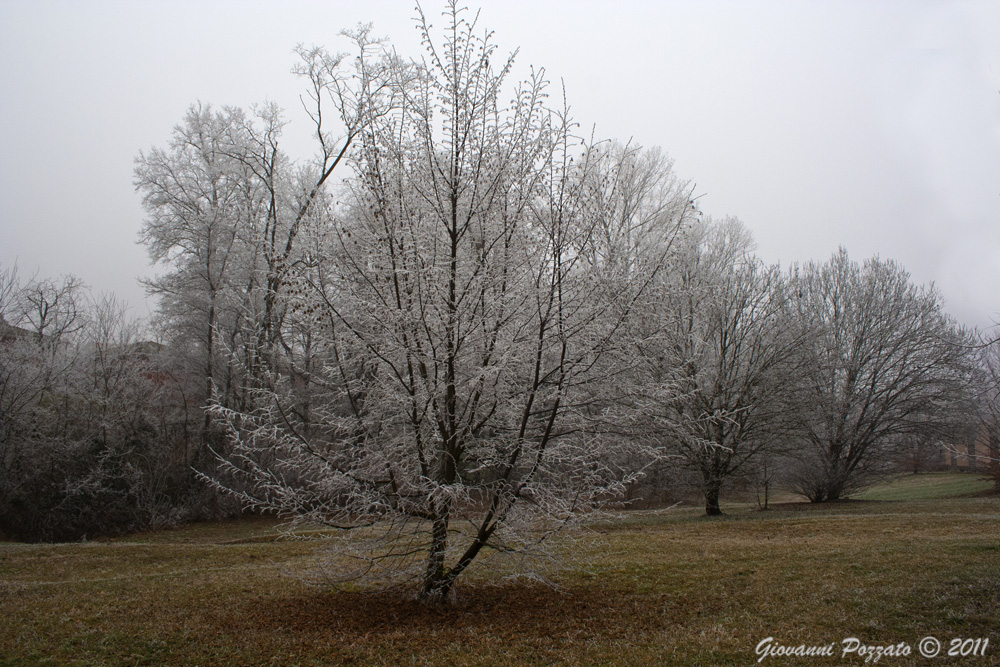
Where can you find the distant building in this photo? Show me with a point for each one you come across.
(978, 454)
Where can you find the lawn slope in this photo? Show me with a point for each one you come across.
(659, 588)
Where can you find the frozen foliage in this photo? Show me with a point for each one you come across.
(449, 326)
(461, 327)
(85, 449)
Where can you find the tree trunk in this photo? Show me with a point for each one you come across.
(712, 499)
(765, 484)
(209, 365)
(437, 583)
(816, 495)
(993, 443)
(834, 490)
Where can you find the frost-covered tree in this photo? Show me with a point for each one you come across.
(225, 207)
(883, 361)
(204, 203)
(720, 369)
(464, 305)
(83, 450)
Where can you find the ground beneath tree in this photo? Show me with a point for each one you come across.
(659, 587)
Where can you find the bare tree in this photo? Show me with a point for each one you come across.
(201, 200)
(884, 361)
(463, 307)
(920, 452)
(985, 430)
(720, 394)
(225, 206)
(41, 320)
(80, 453)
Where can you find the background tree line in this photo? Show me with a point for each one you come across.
(456, 328)
(98, 428)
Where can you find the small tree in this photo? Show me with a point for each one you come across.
(464, 307)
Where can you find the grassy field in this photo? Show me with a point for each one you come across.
(661, 588)
(930, 486)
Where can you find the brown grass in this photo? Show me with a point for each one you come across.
(658, 588)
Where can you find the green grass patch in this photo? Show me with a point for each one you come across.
(659, 588)
(929, 486)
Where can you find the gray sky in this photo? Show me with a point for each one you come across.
(873, 125)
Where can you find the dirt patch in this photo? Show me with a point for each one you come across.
(498, 610)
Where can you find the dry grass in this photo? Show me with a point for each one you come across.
(660, 588)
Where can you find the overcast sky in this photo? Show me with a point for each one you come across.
(873, 125)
